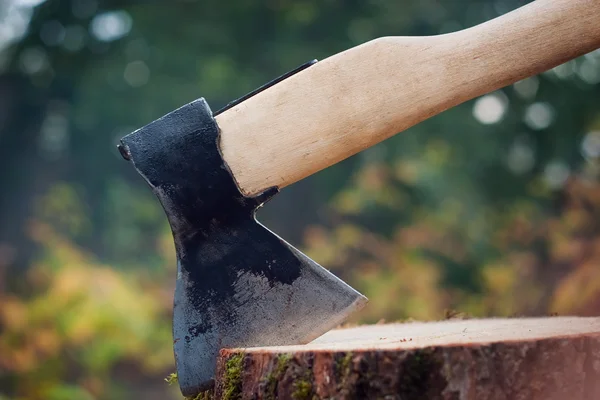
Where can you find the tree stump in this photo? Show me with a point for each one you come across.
(553, 358)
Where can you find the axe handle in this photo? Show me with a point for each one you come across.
(362, 96)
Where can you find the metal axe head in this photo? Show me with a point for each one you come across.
(238, 284)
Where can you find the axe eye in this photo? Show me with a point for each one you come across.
(264, 197)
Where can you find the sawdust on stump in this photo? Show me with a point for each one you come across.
(552, 358)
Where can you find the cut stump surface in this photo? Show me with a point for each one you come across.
(552, 358)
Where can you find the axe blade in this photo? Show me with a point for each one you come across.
(238, 284)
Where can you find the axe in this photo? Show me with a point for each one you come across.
(239, 284)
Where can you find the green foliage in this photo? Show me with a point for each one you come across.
(68, 392)
(82, 322)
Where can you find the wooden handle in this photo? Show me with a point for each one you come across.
(359, 97)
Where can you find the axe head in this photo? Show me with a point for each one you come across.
(238, 284)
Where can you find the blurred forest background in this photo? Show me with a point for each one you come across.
(491, 208)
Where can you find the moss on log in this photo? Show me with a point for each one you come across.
(552, 358)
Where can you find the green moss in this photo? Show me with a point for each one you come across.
(303, 388)
(282, 362)
(421, 375)
(232, 380)
(206, 395)
(273, 378)
(172, 378)
(344, 365)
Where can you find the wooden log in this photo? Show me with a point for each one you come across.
(553, 358)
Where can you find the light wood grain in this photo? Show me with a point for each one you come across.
(553, 358)
(362, 96)
(413, 335)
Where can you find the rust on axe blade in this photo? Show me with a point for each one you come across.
(238, 284)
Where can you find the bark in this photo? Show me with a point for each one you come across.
(500, 359)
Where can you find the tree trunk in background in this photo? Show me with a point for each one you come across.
(551, 358)
(21, 112)
(24, 171)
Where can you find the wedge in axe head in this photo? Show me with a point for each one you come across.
(240, 285)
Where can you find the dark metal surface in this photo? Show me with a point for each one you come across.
(238, 284)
